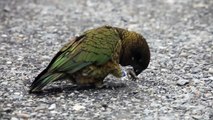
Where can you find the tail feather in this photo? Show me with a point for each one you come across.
(43, 79)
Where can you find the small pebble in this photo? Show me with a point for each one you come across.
(7, 9)
(14, 118)
(53, 106)
(9, 62)
(3, 35)
(182, 82)
(78, 107)
(40, 108)
(20, 58)
(211, 70)
(183, 54)
(23, 115)
(53, 112)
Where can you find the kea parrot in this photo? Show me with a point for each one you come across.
(87, 59)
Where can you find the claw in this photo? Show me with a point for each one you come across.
(131, 74)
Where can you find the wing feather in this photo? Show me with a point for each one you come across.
(83, 52)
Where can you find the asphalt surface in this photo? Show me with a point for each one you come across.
(178, 84)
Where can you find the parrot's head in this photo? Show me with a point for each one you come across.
(134, 52)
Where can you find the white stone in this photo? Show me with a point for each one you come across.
(211, 70)
(78, 107)
(53, 106)
(4, 35)
(14, 118)
(9, 62)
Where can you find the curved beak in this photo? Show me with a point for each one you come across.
(138, 71)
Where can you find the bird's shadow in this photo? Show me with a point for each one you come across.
(71, 88)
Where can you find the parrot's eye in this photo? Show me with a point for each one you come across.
(136, 56)
(140, 60)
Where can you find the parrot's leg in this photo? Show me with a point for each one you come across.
(99, 84)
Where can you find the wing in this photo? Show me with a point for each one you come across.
(91, 48)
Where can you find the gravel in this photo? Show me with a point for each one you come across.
(177, 85)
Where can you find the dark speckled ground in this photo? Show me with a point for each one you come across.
(177, 85)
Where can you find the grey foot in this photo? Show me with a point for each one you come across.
(131, 74)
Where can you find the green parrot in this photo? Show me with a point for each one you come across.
(87, 59)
